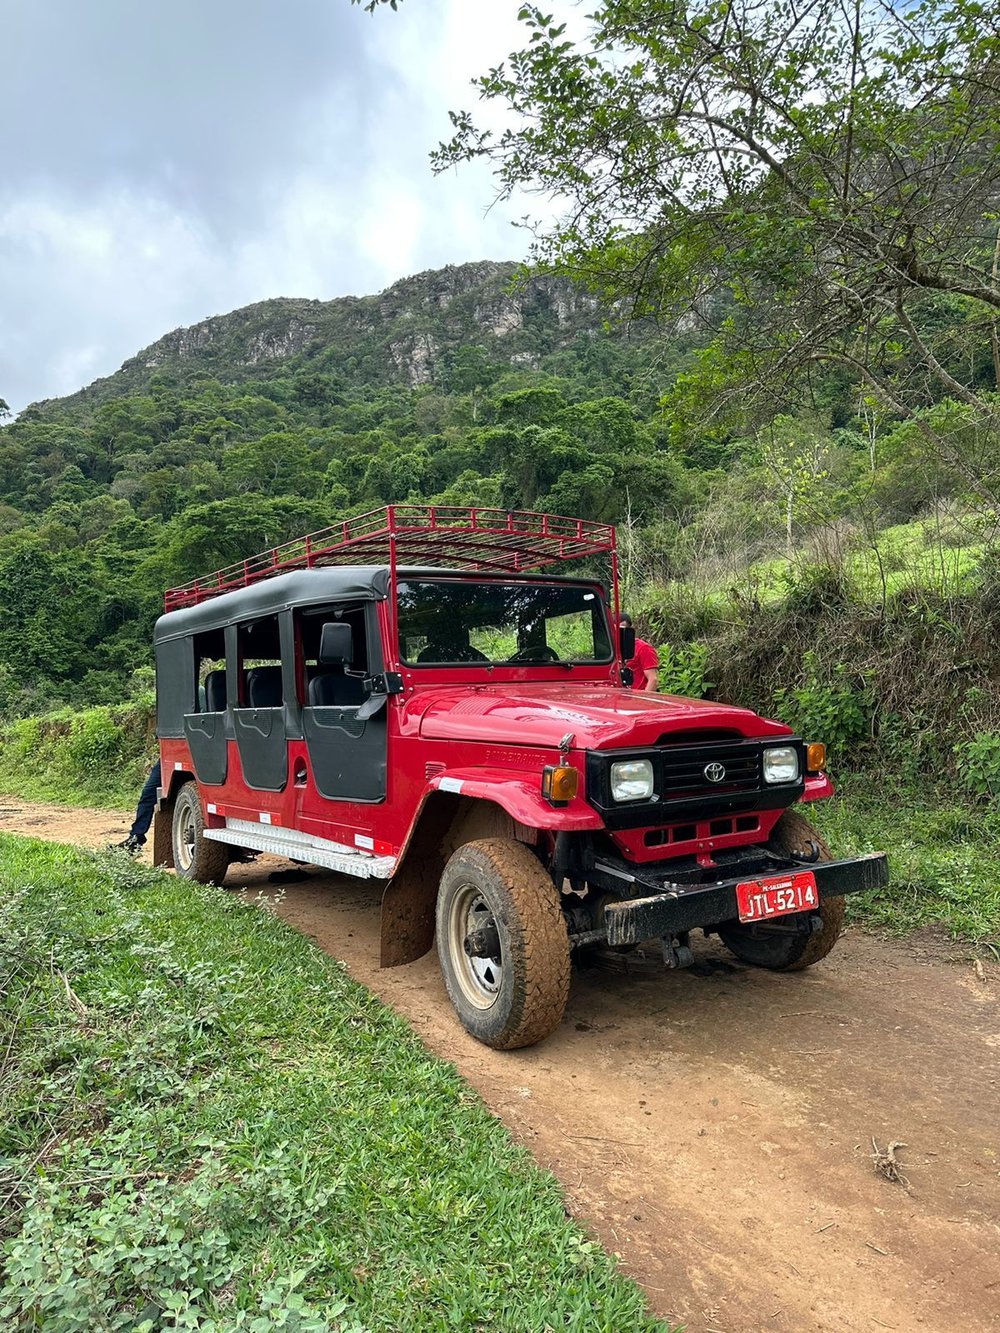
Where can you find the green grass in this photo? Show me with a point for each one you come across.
(906, 556)
(940, 559)
(204, 1124)
(944, 858)
(916, 555)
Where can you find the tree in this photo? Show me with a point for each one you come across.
(279, 463)
(797, 455)
(816, 182)
(211, 536)
(49, 607)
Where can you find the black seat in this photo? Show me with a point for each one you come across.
(264, 687)
(334, 688)
(215, 692)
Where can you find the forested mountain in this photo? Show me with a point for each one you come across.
(462, 385)
(468, 385)
(415, 333)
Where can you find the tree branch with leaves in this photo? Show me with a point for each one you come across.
(817, 181)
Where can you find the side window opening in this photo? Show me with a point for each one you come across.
(337, 683)
(259, 655)
(210, 671)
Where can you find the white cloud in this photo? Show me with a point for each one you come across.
(186, 160)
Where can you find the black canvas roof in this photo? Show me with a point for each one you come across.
(299, 588)
(310, 586)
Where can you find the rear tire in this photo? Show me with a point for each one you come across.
(792, 835)
(517, 995)
(195, 856)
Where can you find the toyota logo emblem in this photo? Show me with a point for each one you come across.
(714, 772)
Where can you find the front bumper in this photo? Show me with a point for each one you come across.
(665, 907)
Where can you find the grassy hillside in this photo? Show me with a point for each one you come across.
(98, 756)
(888, 652)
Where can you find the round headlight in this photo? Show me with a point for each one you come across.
(781, 764)
(632, 780)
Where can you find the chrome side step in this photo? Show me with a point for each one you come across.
(300, 846)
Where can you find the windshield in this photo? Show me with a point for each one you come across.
(457, 623)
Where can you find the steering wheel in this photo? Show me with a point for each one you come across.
(535, 652)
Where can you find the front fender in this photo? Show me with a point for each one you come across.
(520, 797)
(817, 787)
(481, 800)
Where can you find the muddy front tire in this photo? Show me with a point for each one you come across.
(195, 856)
(789, 953)
(512, 990)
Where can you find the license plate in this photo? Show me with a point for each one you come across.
(779, 895)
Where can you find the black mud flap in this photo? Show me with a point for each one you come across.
(163, 840)
(408, 912)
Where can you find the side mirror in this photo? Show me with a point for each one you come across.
(626, 643)
(336, 644)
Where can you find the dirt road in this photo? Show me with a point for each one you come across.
(714, 1127)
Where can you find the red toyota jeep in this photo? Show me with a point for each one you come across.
(404, 697)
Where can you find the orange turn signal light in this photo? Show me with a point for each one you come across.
(560, 784)
(815, 757)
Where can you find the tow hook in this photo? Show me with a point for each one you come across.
(483, 942)
(677, 951)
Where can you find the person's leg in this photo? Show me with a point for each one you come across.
(146, 806)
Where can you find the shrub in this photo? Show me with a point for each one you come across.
(100, 755)
(679, 613)
(683, 669)
(827, 707)
(95, 742)
(816, 590)
(978, 765)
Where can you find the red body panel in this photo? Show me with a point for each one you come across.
(599, 715)
(491, 742)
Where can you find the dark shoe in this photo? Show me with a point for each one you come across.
(132, 845)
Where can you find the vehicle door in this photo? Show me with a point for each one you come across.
(259, 718)
(205, 729)
(343, 717)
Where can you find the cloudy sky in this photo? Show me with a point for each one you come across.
(164, 160)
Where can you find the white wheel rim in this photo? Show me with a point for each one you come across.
(481, 979)
(184, 849)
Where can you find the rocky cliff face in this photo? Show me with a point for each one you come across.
(405, 334)
(273, 343)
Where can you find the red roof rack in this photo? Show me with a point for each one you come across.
(449, 536)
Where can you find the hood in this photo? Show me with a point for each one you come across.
(599, 716)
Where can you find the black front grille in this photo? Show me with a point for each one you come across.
(723, 766)
(701, 781)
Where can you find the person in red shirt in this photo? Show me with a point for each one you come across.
(645, 662)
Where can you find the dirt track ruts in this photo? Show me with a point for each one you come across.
(714, 1127)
